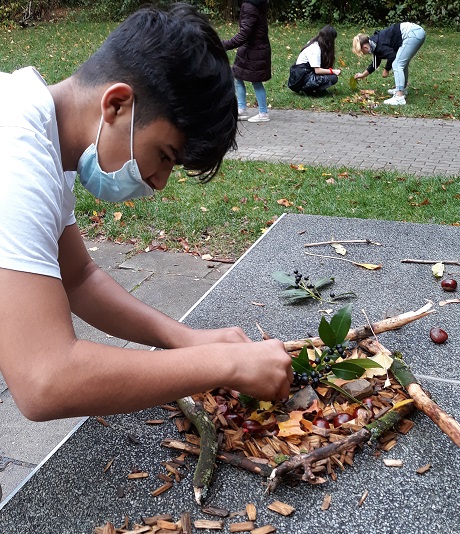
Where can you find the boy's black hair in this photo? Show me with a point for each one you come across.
(179, 71)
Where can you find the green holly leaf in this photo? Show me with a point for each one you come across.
(347, 370)
(323, 282)
(340, 323)
(284, 278)
(327, 333)
(302, 364)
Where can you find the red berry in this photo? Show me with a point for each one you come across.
(449, 284)
(341, 418)
(438, 335)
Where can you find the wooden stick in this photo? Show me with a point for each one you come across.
(446, 262)
(422, 401)
(197, 415)
(227, 457)
(364, 241)
(393, 323)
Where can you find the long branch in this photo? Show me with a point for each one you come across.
(422, 401)
(393, 323)
(446, 262)
(346, 241)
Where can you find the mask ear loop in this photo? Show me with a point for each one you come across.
(132, 132)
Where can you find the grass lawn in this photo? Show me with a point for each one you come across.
(225, 216)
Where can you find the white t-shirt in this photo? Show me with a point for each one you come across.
(36, 199)
(311, 54)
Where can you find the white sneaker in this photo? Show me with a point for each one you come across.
(393, 91)
(242, 115)
(260, 117)
(395, 101)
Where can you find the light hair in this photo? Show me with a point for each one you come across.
(358, 41)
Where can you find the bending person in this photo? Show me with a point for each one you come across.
(398, 44)
(313, 72)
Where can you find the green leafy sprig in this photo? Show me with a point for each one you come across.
(300, 287)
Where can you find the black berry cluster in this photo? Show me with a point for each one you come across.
(322, 367)
(299, 277)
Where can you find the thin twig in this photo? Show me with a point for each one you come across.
(363, 241)
(446, 262)
(369, 323)
(358, 264)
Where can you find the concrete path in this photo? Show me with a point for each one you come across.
(174, 282)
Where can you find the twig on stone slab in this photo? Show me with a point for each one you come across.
(357, 263)
(427, 262)
(392, 323)
(226, 457)
(341, 242)
(422, 401)
(197, 415)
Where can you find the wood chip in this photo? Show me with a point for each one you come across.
(213, 510)
(266, 529)
(102, 421)
(161, 489)
(251, 511)
(281, 508)
(186, 523)
(363, 497)
(168, 525)
(245, 526)
(152, 521)
(423, 469)
(155, 422)
(389, 462)
(134, 476)
(211, 525)
(326, 501)
(108, 465)
(388, 446)
(405, 426)
(239, 513)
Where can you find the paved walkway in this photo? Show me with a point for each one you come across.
(423, 147)
(418, 146)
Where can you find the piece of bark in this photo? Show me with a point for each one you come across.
(245, 526)
(281, 508)
(251, 511)
(358, 389)
(167, 525)
(161, 489)
(211, 525)
(152, 520)
(213, 510)
(393, 323)
(422, 401)
(207, 457)
(266, 529)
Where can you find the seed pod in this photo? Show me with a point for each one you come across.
(438, 335)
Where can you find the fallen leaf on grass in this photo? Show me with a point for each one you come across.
(300, 167)
(117, 215)
(285, 202)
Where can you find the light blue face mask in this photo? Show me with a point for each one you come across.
(124, 184)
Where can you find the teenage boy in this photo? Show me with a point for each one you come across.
(158, 92)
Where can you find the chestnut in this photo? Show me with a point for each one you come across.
(449, 284)
(320, 422)
(252, 427)
(438, 335)
(341, 418)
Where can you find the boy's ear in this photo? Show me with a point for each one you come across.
(116, 99)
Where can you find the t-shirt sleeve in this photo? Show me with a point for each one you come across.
(36, 202)
(311, 54)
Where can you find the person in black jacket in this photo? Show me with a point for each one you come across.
(253, 58)
(398, 44)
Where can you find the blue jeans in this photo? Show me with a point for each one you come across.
(406, 52)
(259, 89)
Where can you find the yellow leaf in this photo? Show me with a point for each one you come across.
(369, 266)
(340, 249)
(117, 215)
(235, 208)
(265, 405)
(384, 360)
(342, 62)
(182, 180)
(129, 203)
(438, 269)
(291, 427)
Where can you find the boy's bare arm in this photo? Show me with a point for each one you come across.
(51, 374)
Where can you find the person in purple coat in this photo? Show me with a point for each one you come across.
(253, 57)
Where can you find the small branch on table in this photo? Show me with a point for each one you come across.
(197, 415)
(346, 241)
(422, 401)
(226, 457)
(428, 262)
(393, 323)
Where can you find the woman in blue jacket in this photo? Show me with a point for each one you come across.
(398, 44)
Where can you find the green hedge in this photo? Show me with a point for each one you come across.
(372, 12)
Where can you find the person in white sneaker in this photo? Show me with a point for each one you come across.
(398, 44)
(253, 57)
